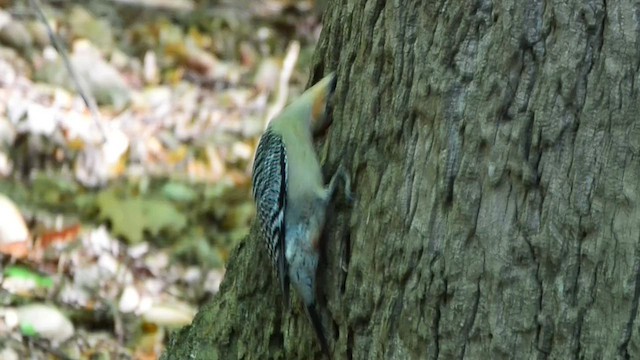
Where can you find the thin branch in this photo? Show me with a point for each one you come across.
(288, 65)
(48, 348)
(84, 93)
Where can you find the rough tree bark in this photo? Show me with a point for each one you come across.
(494, 149)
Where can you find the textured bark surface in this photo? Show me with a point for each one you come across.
(494, 149)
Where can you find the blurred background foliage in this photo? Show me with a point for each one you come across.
(127, 131)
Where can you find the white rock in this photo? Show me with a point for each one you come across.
(129, 300)
(8, 354)
(47, 321)
(13, 229)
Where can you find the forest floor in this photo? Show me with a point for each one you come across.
(127, 130)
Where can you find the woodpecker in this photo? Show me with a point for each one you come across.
(291, 198)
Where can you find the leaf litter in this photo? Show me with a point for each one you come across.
(118, 219)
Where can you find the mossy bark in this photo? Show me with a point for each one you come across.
(494, 149)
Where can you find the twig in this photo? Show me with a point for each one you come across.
(118, 324)
(84, 93)
(57, 353)
(172, 5)
(288, 64)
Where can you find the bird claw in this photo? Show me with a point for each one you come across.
(348, 194)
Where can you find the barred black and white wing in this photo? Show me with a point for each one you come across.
(270, 195)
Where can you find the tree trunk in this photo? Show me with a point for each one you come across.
(494, 150)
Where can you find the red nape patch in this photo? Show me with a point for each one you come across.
(315, 243)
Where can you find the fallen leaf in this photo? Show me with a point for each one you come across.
(63, 236)
(130, 218)
(170, 314)
(179, 192)
(20, 279)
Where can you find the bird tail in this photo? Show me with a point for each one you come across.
(314, 317)
(284, 286)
